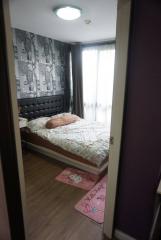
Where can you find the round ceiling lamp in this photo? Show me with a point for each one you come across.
(68, 12)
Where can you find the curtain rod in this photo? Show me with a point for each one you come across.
(98, 43)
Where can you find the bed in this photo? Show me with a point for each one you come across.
(81, 144)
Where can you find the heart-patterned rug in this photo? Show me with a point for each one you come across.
(78, 178)
(93, 203)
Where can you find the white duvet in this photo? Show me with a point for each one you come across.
(89, 140)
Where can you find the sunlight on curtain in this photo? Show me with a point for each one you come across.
(98, 74)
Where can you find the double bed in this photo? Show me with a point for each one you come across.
(81, 144)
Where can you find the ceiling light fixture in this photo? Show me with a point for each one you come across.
(87, 21)
(68, 12)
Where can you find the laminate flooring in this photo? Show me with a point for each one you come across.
(50, 204)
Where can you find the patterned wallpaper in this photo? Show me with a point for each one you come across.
(41, 65)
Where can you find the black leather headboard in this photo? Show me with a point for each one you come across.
(32, 108)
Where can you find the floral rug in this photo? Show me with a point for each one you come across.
(78, 178)
(93, 203)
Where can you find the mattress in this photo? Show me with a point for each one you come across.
(30, 137)
(83, 141)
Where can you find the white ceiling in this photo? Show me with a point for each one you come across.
(37, 16)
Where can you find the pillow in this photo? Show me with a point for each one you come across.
(61, 121)
(60, 115)
(38, 123)
(23, 122)
(71, 118)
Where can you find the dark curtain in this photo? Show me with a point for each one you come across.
(77, 80)
(67, 93)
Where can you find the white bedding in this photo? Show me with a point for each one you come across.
(89, 140)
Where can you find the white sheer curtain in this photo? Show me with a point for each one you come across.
(98, 73)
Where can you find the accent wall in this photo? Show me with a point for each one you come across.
(41, 65)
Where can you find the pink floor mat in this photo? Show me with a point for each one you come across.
(78, 178)
(93, 203)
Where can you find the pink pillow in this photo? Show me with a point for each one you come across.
(61, 121)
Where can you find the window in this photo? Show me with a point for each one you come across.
(98, 74)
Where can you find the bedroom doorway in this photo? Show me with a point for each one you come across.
(118, 93)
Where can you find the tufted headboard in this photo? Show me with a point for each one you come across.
(32, 108)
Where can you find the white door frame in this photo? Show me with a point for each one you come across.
(122, 40)
(122, 36)
(14, 107)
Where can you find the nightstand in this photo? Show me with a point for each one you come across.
(22, 125)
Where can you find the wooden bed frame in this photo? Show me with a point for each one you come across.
(67, 160)
(32, 108)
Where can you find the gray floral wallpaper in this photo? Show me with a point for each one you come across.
(41, 65)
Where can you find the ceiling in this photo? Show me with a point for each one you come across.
(37, 16)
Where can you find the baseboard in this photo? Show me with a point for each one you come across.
(122, 236)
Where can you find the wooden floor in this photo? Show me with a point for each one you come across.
(51, 213)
